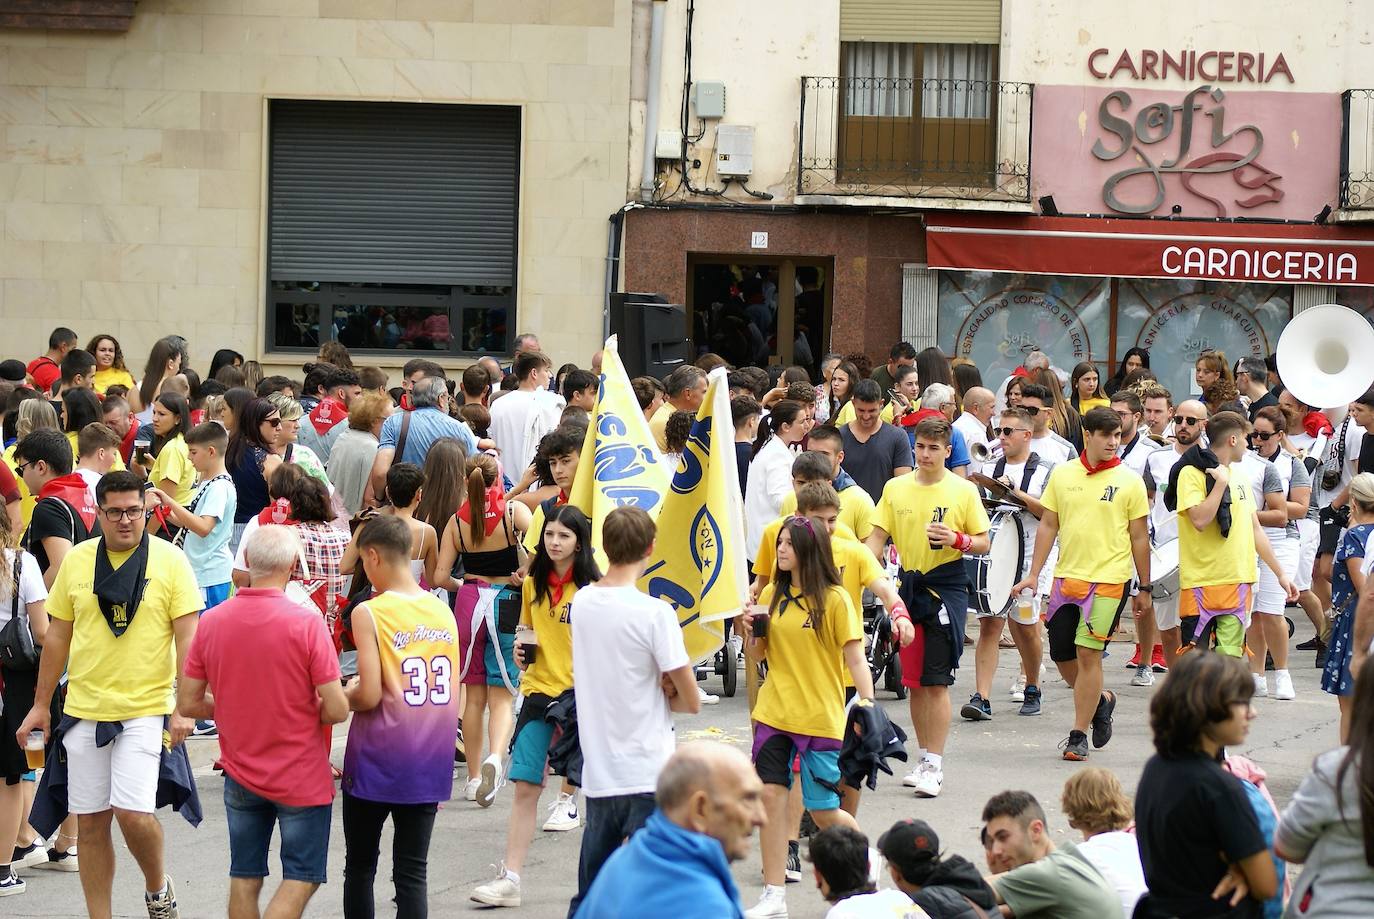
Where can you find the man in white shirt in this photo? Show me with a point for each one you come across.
(973, 421)
(1046, 444)
(97, 447)
(1136, 445)
(525, 414)
(632, 673)
(1158, 409)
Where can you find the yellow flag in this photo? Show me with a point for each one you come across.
(619, 463)
(698, 563)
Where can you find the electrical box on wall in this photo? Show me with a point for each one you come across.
(734, 150)
(668, 145)
(709, 99)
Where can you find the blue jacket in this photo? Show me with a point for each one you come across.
(664, 870)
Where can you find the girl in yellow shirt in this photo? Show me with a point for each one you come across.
(1085, 388)
(813, 634)
(109, 365)
(172, 470)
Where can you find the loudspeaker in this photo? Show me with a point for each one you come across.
(652, 333)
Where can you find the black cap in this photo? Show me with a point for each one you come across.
(912, 847)
(13, 371)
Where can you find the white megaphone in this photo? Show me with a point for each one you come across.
(1325, 356)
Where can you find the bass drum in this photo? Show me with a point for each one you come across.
(1164, 570)
(992, 576)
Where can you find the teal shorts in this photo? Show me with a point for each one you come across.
(529, 747)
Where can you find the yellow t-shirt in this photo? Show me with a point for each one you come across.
(174, 462)
(1085, 405)
(768, 544)
(111, 679)
(1206, 558)
(856, 509)
(907, 506)
(804, 692)
(552, 670)
(1094, 541)
(658, 425)
(858, 568)
(846, 414)
(104, 379)
(26, 500)
(116, 466)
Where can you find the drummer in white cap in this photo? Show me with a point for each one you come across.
(1023, 473)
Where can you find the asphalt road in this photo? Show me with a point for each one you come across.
(982, 759)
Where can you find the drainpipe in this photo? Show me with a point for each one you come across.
(646, 175)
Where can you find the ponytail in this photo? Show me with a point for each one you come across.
(784, 412)
(477, 504)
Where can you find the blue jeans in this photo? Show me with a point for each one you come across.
(304, 835)
(610, 821)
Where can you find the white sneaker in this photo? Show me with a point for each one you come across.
(1283, 686)
(706, 697)
(772, 905)
(491, 780)
(504, 891)
(1261, 685)
(912, 777)
(1144, 676)
(929, 778)
(562, 815)
(1018, 688)
(470, 789)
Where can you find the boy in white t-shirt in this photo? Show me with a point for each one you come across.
(843, 863)
(632, 674)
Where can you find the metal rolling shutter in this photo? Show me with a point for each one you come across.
(960, 22)
(393, 192)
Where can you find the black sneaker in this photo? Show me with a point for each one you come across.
(1031, 705)
(60, 861)
(794, 868)
(1309, 645)
(1102, 719)
(1321, 655)
(1076, 747)
(977, 709)
(27, 856)
(11, 884)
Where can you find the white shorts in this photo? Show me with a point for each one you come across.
(1269, 596)
(1309, 534)
(121, 774)
(1166, 613)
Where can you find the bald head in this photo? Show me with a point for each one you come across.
(1193, 415)
(979, 402)
(712, 789)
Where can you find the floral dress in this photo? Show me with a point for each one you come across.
(1336, 677)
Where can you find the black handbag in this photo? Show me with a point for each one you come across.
(18, 651)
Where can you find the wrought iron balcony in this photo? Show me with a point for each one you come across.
(1357, 149)
(896, 137)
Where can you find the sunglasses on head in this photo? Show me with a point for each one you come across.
(1007, 432)
(1179, 419)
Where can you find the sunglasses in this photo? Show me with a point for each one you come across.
(1179, 419)
(1007, 432)
(274, 422)
(19, 469)
(1263, 437)
(1031, 410)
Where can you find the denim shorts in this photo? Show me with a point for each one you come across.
(304, 835)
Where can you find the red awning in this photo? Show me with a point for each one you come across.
(1272, 253)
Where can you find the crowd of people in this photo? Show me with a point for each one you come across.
(182, 553)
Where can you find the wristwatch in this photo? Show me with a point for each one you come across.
(1144, 588)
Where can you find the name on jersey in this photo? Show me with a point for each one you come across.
(403, 639)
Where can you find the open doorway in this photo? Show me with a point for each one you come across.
(760, 311)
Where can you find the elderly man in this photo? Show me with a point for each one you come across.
(260, 652)
(685, 389)
(710, 801)
(977, 414)
(939, 399)
(410, 434)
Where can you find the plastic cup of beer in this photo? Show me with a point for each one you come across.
(528, 642)
(1024, 611)
(758, 621)
(33, 750)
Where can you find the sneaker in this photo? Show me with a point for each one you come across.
(929, 778)
(977, 709)
(1157, 660)
(1309, 645)
(562, 815)
(1283, 686)
(163, 905)
(60, 861)
(204, 729)
(503, 891)
(1144, 676)
(490, 782)
(1018, 688)
(1102, 720)
(1135, 658)
(1321, 655)
(794, 865)
(470, 789)
(772, 905)
(11, 885)
(1261, 686)
(1031, 705)
(29, 856)
(706, 697)
(460, 750)
(912, 777)
(1075, 747)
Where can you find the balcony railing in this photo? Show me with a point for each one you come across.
(896, 137)
(1357, 149)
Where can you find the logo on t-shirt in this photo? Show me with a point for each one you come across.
(938, 514)
(1109, 492)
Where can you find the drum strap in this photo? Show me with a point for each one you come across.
(1027, 473)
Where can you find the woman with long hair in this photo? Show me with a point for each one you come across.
(1328, 826)
(336, 353)
(813, 635)
(966, 376)
(1084, 391)
(251, 457)
(224, 357)
(1134, 359)
(484, 533)
(1211, 367)
(172, 470)
(447, 472)
(1268, 630)
(164, 361)
(562, 565)
(34, 414)
(842, 381)
(932, 366)
(109, 364)
(770, 468)
(252, 375)
(1195, 827)
(80, 407)
(231, 407)
(1347, 582)
(1064, 419)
